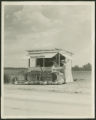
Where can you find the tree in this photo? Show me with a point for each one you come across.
(76, 68)
(87, 67)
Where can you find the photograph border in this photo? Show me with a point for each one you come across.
(3, 3)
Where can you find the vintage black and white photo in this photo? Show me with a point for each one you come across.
(47, 59)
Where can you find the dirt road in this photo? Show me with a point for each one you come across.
(26, 103)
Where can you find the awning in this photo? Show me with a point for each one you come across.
(49, 55)
(46, 55)
(67, 56)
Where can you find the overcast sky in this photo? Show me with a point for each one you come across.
(47, 26)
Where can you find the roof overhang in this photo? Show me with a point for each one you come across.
(66, 55)
(48, 53)
(42, 55)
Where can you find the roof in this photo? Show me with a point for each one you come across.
(48, 53)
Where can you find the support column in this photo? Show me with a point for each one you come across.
(43, 62)
(59, 59)
(29, 62)
(35, 62)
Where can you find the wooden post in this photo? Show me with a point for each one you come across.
(56, 58)
(43, 62)
(59, 59)
(71, 64)
(35, 62)
(29, 62)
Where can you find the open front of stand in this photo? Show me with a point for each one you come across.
(45, 67)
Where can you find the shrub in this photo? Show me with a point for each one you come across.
(6, 78)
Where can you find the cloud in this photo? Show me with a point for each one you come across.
(46, 26)
(30, 19)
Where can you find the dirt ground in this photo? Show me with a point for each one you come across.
(48, 101)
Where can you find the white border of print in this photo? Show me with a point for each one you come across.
(93, 49)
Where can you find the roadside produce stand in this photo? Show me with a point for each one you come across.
(40, 63)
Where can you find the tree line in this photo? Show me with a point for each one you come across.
(86, 67)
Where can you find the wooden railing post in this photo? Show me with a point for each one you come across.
(59, 59)
(29, 62)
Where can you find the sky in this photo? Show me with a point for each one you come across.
(29, 27)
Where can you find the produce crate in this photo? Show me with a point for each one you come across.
(39, 76)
